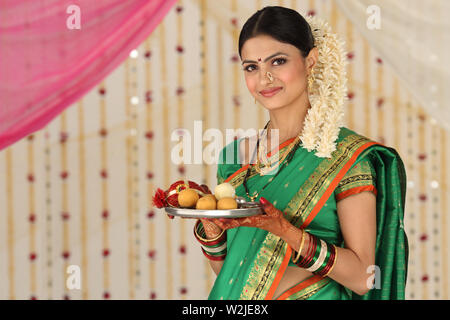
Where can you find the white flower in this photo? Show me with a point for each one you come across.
(329, 90)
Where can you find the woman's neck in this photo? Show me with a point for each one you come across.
(288, 120)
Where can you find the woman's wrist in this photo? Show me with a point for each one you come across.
(213, 248)
(211, 229)
(309, 251)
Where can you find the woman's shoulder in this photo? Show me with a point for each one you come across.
(372, 149)
(347, 134)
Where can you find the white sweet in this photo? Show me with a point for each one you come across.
(224, 190)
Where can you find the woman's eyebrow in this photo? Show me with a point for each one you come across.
(276, 54)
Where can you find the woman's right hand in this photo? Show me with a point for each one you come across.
(212, 230)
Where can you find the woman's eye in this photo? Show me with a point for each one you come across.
(279, 61)
(249, 66)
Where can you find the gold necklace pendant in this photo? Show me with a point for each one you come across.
(252, 198)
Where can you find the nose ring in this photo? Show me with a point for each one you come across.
(270, 76)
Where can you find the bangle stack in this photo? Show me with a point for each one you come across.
(320, 256)
(213, 249)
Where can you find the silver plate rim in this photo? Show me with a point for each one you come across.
(194, 213)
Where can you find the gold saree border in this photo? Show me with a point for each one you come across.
(302, 208)
(305, 288)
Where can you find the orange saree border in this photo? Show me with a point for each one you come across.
(301, 286)
(279, 275)
(355, 190)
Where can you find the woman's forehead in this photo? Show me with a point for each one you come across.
(264, 46)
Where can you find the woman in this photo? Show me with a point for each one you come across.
(333, 200)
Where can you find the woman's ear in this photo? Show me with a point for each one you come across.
(312, 58)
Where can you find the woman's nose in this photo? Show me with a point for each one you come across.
(263, 77)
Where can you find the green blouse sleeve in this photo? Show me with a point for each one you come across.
(361, 177)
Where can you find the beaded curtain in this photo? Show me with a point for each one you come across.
(76, 195)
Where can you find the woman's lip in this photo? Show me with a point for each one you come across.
(269, 93)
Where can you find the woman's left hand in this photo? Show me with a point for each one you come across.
(270, 221)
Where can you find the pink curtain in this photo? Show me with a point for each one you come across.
(54, 51)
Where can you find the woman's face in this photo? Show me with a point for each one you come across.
(263, 54)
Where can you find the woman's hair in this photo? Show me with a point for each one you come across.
(282, 24)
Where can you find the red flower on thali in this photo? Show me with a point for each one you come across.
(159, 199)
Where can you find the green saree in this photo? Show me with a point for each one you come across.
(306, 191)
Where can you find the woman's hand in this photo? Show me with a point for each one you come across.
(271, 220)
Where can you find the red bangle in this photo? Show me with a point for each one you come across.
(310, 253)
(214, 258)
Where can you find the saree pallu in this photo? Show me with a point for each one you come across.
(305, 191)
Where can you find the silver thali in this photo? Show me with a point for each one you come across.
(246, 209)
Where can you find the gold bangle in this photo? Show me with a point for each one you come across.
(203, 239)
(301, 247)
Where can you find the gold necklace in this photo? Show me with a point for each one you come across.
(268, 163)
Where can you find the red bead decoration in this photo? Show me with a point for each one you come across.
(179, 9)
(350, 95)
(149, 135)
(234, 58)
(106, 295)
(102, 91)
(424, 237)
(311, 13)
(422, 156)
(63, 137)
(180, 49)
(33, 256)
(105, 252)
(380, 102)
(105, 214)
(147, 54)
(65, 215)
(234, 22)
(153, 295)
(182, 249)
(150, 175)
(152, 254)
(150, 214)
(423, 197)
(32, 217)
(183, 290)
(350, 55)
(30, 177)
(66, 255)
(236, 101)
(103, 132)
(379, 61)
(64, 175)
(104, 174)
(179, 91)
